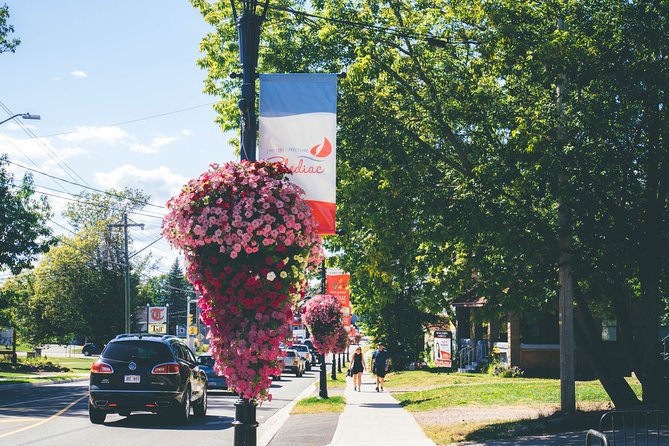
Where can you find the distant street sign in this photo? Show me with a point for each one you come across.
(192, 330)
(158, 328)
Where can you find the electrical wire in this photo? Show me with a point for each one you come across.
(112, 194)
(51, 153)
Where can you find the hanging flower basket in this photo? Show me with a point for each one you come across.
(322, 314)
(249, 239)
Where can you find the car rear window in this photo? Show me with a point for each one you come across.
(302, 348)
(206, 360)
(134, 350)
(290, 353)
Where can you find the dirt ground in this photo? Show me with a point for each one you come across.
(470, 414)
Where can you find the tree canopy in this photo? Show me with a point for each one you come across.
(454, 153)
(23, 231)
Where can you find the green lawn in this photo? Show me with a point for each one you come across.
(512, 392)
(334, 404)
(338, 383)
(72, 368)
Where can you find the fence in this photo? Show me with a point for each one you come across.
(631, 428)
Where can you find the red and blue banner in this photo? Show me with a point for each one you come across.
(298, 128)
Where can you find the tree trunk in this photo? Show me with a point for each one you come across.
(592, 351)
(650, 268)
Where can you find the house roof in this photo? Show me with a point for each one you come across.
(469, 300)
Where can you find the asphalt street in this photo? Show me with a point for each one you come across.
(58, 415)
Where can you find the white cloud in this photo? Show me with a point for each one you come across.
(79, 74)
(156, 143)
(106, 134)
(160, 183)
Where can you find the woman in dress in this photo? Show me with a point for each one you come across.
(357, 367)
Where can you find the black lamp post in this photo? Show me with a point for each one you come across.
(323, 378)
(248, 30)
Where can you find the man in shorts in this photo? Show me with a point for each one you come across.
(380, 361)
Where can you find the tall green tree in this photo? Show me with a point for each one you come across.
(23, 231)
(176, 292)
(449, 154)
(6, 43)
(78, 287)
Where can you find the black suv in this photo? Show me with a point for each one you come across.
(150, 373)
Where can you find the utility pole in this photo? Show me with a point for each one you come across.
(125, 226)
(566, 301)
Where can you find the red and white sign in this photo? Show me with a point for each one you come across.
(157, 315)
(337, 285)
(442, 348)
(298, 128)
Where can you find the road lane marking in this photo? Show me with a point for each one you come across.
(34, 401)
(57, 414)
(19, 420)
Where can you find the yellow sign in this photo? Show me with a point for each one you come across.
(158, 328)
(192, 330)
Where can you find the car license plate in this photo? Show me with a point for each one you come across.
(131, 378)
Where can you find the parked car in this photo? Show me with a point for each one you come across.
(214, 381)
(305, 353)
(90, 348)
(310, 344)
(148, 373)
(293, 362)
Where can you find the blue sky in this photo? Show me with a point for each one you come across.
(87, 67)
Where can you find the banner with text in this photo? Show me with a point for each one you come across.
(337, 286)
(442, 348)
(298, 128)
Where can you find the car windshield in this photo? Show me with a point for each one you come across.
(134, 350)
(302, 348)
(290, 353)
(206, 360)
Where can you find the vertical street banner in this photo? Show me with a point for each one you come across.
(442, 348)
(298, 128)
(337, 286)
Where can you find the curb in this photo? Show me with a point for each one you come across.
(40, 384)
(269, 428)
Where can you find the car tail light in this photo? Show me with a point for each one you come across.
(169, 368)
(101, 367)
(295, 361)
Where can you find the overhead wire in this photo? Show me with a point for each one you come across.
(52, 154)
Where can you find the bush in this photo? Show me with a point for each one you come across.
(504, 371)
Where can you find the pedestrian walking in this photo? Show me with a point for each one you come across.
(357, 367)
(380, 360)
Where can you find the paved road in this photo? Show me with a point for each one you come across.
(58, 415)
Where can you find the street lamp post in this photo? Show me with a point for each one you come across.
(22, 115)
(248, 30)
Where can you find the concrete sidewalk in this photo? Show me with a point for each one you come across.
(372, 418)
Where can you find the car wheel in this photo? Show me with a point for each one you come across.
(297, 373)
(200, 408)
(87, 353)
(95, 415)
(182, 413)
(124, 414)
(309, 367)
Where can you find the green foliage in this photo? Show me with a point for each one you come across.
(23, 231)
(6, 43)
(77, 290)
(449, 158)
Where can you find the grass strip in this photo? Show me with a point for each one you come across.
(505, 394)
(338, 383)
(334, 404)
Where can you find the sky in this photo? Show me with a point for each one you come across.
(120, 97)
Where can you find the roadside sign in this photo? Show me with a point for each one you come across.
(157, 315)
(192, 330)
(442, 348)
(158, 328)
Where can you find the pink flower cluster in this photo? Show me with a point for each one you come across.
(322, 314)
(249, 238)
(342, 340)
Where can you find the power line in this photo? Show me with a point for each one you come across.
(117, 195)
(130, 121)
(53, 155)
(432, 40)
